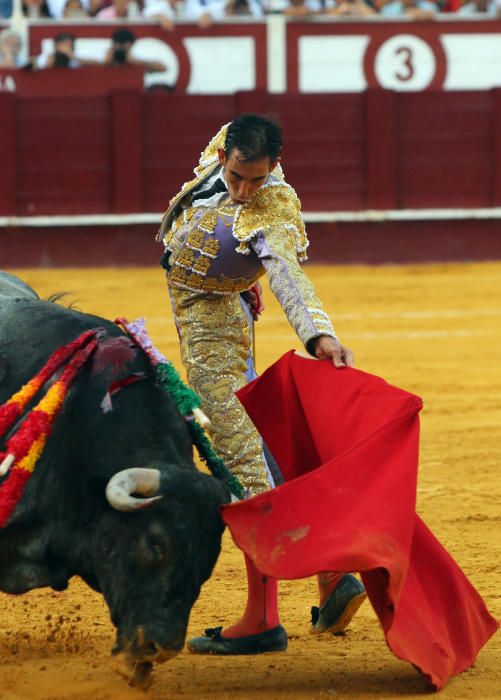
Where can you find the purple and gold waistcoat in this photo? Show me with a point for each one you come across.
(211, 246)
(203, 252)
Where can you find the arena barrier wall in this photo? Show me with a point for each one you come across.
(129, 151)
(410, 172)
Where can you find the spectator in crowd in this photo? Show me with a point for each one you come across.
(36, 9)
(74, 9)
(417, 9)
(10, 49)
(350, 8)
(243, 8)
(56, 7)
(158, 10)
(120, 53)
(299, 8)
(487, 8)
(204, 12)
(377, 5)
(118, 9)
(64, 55)
(161, 11)
(449, 5)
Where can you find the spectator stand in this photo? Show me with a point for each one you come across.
(391, 128)
(318, 54)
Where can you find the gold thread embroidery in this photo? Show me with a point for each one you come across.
(209, 155)
(188, 214)
(186, 258)
(202, 265)
(194, 281)
(208, 220)
(223, 285)
(215, 343)
(210, 284)
(211, 247)
(196, 239)
(272, 206)
(178, 275)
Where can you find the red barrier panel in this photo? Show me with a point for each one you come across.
(63, 155)
(445, 149)
(63, 82)
(175, 129)
(131, 151)
(8, 154)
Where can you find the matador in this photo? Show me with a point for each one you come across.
(236, 221)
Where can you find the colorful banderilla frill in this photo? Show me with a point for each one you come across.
(26, 444)
(186, 400)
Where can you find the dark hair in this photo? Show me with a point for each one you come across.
(65, 36)
(44, 10)
(255, 137)
(123, 36)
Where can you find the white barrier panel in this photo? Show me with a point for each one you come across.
(319, 56)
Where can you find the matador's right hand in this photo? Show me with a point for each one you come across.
(327, 348)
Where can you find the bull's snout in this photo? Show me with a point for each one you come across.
(134, 662)
(143, 648)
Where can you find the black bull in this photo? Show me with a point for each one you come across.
(149, 563)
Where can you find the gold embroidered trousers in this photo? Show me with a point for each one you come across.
(215, 341)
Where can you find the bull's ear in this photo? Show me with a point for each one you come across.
(202, 487)
(218, 489)
(122, 487)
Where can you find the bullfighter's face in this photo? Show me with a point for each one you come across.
(244, 178)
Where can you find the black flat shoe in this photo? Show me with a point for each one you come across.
(214, 643)
(338, 610)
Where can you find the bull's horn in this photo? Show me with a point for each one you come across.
(145, 482)
(6, 464)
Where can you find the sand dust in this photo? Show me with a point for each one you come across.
(433, 330)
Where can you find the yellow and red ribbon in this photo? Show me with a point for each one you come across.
(28, 441)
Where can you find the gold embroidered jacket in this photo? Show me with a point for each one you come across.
(224, 248)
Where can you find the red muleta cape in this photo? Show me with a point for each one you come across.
(347, 443)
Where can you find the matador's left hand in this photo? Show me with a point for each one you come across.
(327, 348)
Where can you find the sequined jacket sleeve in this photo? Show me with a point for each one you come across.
(276, 249)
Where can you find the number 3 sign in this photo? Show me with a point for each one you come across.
(405, 62)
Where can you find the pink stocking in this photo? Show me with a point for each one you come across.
(261, 611)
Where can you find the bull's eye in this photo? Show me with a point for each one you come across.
(157, 547)
(152, 548)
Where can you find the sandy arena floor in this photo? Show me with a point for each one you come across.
(434, 330)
